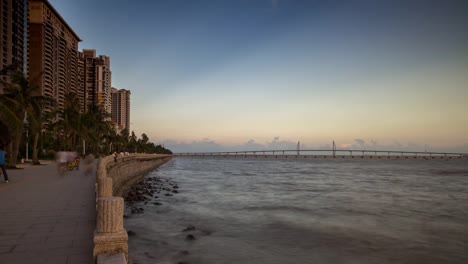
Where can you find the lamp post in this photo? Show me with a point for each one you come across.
(26, 125)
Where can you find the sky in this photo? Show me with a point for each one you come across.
(219, 75)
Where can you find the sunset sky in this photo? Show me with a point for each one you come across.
(246, 74)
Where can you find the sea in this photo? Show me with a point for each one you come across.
(278, 211)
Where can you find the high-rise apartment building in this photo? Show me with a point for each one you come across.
(53, 52)
(121, 108)
(96, 79)
(81, 83)
(13, 33)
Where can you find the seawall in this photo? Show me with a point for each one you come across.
(113, 179)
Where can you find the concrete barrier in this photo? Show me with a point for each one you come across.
(113, 179)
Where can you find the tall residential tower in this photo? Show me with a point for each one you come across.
(13, 33)
(96, 79)
(121, 108)
(53, 52)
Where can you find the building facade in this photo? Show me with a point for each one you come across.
(81, 82)
(36, 40)
(53, 53)
(96, 80)
(121, 108)
(13, 32)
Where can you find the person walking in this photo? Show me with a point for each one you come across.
(2, 163)
(62, 162)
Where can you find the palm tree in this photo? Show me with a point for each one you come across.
(123, 139)
(5, 136)
(70, 121)
(18, 98)
(94, 129)
(7, 115)
(133, 143)
(37, 118)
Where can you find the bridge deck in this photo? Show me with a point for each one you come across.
(322, 156)
(327, 153)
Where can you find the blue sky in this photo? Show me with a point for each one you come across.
(220, 75)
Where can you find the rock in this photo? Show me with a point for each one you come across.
(175, 187)
(190, 237)
(189, 228)
(206, 232)
(175, 191)
(130, 233)
(184, 252)
(149, 255)
(168, 194)
(137, 210)
(157, 203)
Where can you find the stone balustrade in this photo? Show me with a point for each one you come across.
(113, 179)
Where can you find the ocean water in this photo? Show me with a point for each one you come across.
(306, 211)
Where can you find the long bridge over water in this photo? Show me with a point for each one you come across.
(329, 153)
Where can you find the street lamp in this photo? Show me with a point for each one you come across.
(26, 125)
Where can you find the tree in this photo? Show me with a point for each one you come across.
(95, 130)
(144, 138)
(69, 121)
(124, 139)
(37, 118)
(133, 143)
(5, 136)
(18, 98)
(8, 118)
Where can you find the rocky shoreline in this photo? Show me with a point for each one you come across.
(149, 189)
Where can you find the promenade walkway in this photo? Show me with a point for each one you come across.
(47, 218)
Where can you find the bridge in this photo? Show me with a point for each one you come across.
(328, 153)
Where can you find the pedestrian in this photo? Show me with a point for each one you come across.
(2, 163)
(61, 160)
(88, 164)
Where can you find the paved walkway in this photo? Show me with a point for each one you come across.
(46, 218)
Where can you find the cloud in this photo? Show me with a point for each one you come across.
(208, 145)
(360, 142)
(204, 145)
(249, 145)
(279, 144)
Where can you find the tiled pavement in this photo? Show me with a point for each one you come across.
(46, 218)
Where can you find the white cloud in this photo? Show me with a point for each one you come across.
(208, 145)
(360, 142)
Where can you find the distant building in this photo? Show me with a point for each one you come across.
(121, 108)
(13, 33)
(95, 80)
(53, 52)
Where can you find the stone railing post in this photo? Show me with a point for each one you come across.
(104, 187)
(110, 235)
